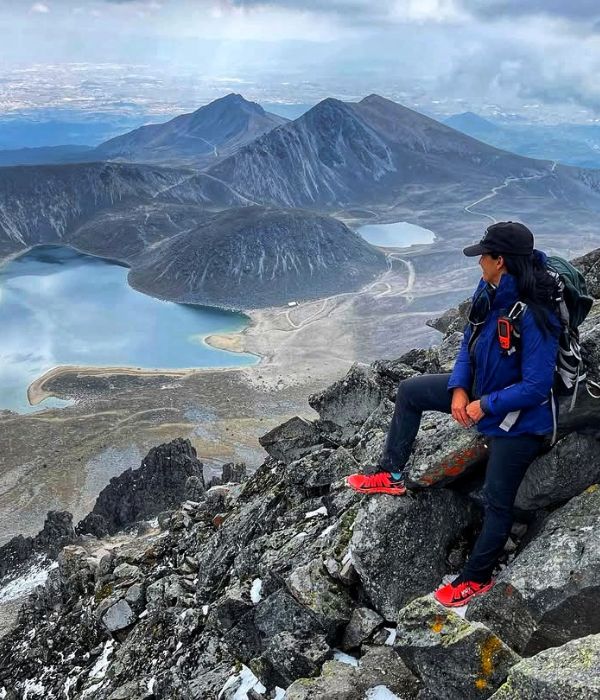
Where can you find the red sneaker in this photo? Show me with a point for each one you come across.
(455, 595)
(381, 482)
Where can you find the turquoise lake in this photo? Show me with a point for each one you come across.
(398, 235)
(61, 307)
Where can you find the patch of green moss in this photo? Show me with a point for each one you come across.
(103, 592)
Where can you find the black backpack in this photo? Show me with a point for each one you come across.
(574, 304)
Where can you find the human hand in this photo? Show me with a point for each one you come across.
(460, 401)
(474, 411)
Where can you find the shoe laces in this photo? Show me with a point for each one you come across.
(380, 479)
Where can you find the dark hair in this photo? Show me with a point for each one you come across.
(537, 288)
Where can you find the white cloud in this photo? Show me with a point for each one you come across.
(40, 8)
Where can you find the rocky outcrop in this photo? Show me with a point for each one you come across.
(562, 673)
(56, 534)
(159, 484)
(391, 539)
(454, 657)
(549, 594)
(252, 587)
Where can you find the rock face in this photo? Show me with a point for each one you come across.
(455, 658)
(139, 494)
(550, 592)
(563, 673)
(252, 587)
(560, 474)
(392, 539)
(252, 256)
(57, 533)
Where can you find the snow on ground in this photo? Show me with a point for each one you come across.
(255, 591)
(313, 513)
(35, 575)
(99, 668)
(391, 636)
(380, 692)
(242, 682)
(339, 655)
(33, 689)
(327, 530)
(279, 693)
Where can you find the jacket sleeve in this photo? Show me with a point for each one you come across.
(462, 374)
(538, 360)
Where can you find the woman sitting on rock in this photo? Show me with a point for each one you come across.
(501, 385)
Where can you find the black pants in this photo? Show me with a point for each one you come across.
(510, 456)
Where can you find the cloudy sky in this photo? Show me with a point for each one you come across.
(535, 58)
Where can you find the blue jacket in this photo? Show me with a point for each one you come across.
(506, 383)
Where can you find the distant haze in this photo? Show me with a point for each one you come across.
(499, 58)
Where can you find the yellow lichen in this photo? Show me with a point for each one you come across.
(487, 649)
(438, 624)
(593, 488)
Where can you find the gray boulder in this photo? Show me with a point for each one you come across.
(291, 440)
(379, 668)
(118, 616)
(395, 551)
(443, 451)
(321, 469)
(561, 473)
(313, 588)
(568, 672)
(455, 659)
(348, 402)
(290, 656)
(363, 623)
(549, 594)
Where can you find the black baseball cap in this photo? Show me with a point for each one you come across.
(503, 237)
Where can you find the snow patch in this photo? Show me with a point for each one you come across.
(339, 655)
(381, 692)
(313, 513)
(205, 609)
(33, 689)
(279, 693)
(243, 681)
(35, 575)
(327, 530)
(255, 591)
(99, 668)
(391, 636)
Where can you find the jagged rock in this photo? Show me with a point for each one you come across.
(549, 594)
(118, 616)
(350, 401)
(290, 656)
(94, 524)
(589, 264)
(320, 469)
(455, 659)
(292, 440)
(312, 586)
(159, 483)
(126, 570)
(561, 673)
(234, 472)
(165, 592)
(394, 552)
(194, 488)
(390, 373)
(340, 681)
(443, 451)
(448, 350)
(56, 533)
(363, 623)
(561, 473)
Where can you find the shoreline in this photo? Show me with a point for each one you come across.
(36, 392)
